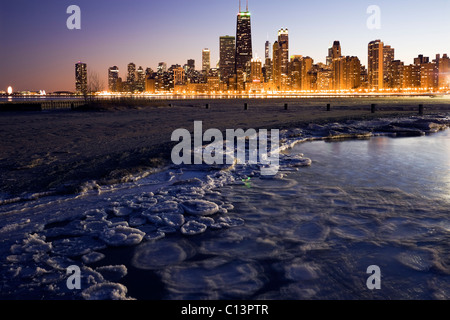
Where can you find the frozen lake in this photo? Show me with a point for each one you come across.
(190, 233)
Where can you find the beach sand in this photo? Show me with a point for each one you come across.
(60, 150)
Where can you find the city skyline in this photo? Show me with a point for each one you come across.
(24, 69)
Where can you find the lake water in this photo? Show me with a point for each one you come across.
(309, 234)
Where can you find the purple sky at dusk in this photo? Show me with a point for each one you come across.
(38, 52)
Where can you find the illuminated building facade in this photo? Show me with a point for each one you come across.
(131, 77)
(375, 65)
(81, 78)
(256, 70)
(244, 52)
(113, 78)
(206, 60)
(429, 76)
(227, 59)
(388, 57)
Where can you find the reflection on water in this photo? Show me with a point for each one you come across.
(410, 164)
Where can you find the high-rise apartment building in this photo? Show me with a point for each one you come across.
(395, 74)
(375, 65)
(113, 78)
(81, 77)
(421, 59)
(429, 76)
(444, 72)
(411, 76)
(227, 59)
(206, 60)
(244, 52)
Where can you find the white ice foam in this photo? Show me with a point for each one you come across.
(113, 273)
(106, 291)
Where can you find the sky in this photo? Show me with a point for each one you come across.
(39, 52)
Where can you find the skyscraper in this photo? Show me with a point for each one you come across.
(256, 70)
(283, 42)
(375, 64)
(388, 57)
(352, 73)
(276, 65)
(140, 83)
(81, 77)
(336, 50)
(244, 52)
(206, 60)
(131, 76)
(113, 78)
(191, 64)
(295, 72)
(267, 50)
(227, 61)
(444, 71)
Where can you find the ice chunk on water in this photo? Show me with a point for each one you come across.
(296, 160)
(166, 206)
(235, 279)
(105, 291)
(122, 236)
(137, 220)
(113, 273)
(200, 207)
(121, 211)
(159, 254)
(92, 257)
(193, 227)
(35, 243)
(155, 235)
(74, 247)
(173, 219)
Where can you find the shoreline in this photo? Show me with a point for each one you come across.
(110, 146)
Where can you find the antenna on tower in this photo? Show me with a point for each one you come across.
(239, 5)
(246, 9)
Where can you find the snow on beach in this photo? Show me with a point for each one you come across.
(43, 236)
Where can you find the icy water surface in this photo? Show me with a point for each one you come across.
(197, 233)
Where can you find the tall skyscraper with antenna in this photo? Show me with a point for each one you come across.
(244, 51)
